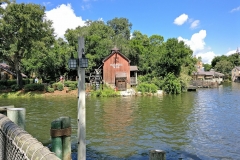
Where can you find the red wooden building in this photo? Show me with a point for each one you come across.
(117, 70)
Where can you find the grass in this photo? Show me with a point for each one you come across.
(21, 94)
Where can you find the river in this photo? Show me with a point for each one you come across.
(195, 125)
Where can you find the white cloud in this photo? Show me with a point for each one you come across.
(230, 52)
(4, 5)
(206, 56)
(196, 42)
(235, 9)
(194, 24)
(64, 18)
(181, 19)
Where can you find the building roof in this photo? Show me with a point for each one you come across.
(6, 68)
(209, 73)
(133, 68)
(114, 51)
(237, 67)
(121, 74)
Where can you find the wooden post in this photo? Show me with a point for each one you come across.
(66, 138)
(17, 115)
(56, 140)
(81, 105)
(3, 109)
(157, 155)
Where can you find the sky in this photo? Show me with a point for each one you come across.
(210, 27)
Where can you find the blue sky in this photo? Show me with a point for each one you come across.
(210, 27)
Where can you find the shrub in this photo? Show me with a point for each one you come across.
(3, 83)
(68, 83)
(50, 90)
(11, 82)
(59, 86)
(15, 87)
(3, 87)
(146, 87)
(34, 87)
(172, 85)
(72, 87)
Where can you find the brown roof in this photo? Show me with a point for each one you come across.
(133, 68)
(113, 52)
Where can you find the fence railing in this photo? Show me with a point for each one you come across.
(16, 143)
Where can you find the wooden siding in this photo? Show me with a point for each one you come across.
(116, 63)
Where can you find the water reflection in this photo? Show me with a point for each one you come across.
(193, 125)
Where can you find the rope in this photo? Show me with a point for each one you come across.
(36, 151)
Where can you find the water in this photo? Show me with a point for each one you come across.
(194, 125)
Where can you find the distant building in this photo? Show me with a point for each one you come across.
(117, 70)
(7, 72)
(236, 74)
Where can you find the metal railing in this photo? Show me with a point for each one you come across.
(16, 143)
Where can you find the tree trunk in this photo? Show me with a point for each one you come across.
(18, 72)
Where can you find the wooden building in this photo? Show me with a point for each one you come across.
(236, 74)
(118, 72)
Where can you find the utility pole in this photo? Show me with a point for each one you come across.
(81, 104)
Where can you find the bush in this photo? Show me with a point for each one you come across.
(3, 83)
(72, 87)
(34, 87)
(50, 90)
(106, 92)
(147, 88)
(15, 87)
(68, 83)
(11, 82)
(59, 86)
(172, 85)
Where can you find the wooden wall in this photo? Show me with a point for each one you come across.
(114, 64)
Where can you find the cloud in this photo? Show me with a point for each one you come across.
(194, 24)
(207, 57)
(46, 3)
(64, 18)
(181, 19)
(196, 43)
(4, 5)
(230, 52)
(235, 9)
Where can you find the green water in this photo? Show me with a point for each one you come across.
(194, 125)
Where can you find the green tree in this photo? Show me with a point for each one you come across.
(224, 67)
(22, 26)
(121, 26)
(207, 67)
(175, 55)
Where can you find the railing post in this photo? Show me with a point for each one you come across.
(3, 109)
(56, 139)
(17, 115)
(157, 155)
(66, 138)
(61, 137)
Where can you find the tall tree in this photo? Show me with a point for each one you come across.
(22, 26)
(121, 26)
(175, 54)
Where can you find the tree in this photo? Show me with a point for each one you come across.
(175, 54)
(207, 67)
(22, 26)
(224, 67)
(121, 26)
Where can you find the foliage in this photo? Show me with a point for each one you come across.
(207, 67)
(224, 67)
(49, 89)
(58, 86)
(34, 87)
(68, 83)
(147, 88)
(172, 85)
(106, 92)
(15, 87)
(22, 29)
(72, 87)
